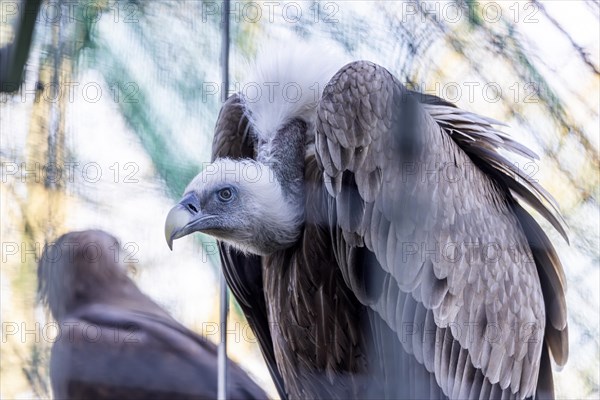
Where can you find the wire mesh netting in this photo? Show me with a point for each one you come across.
(119, 101)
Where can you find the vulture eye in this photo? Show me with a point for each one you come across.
(225, 194)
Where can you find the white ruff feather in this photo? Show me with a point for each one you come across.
(286, 82)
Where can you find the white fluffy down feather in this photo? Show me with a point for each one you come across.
(289, 81)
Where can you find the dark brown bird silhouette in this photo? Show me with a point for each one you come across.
(115, 342)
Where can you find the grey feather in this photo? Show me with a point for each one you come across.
(424, 210)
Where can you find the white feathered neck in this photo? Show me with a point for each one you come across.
(290, 80)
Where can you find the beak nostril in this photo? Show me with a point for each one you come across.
(191, 207)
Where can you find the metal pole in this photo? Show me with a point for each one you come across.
(222, 384)
(222, 389)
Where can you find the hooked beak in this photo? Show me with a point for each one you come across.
(183, 219)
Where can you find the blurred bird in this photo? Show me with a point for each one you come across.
(114, 341)
(376, 240)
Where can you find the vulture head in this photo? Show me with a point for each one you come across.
(79, 268)
(254, 200)
(240, 202)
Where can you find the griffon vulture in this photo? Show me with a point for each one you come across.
(376, 238)
(115, 342)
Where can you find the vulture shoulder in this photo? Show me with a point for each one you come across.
(459, 271)
(107, 351)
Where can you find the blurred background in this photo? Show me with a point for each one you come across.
(116, 113)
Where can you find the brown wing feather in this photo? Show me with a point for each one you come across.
(243, 273)
(373, 150)
(550, 270)
(232, 137)
(480, 140)
(327, 344)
